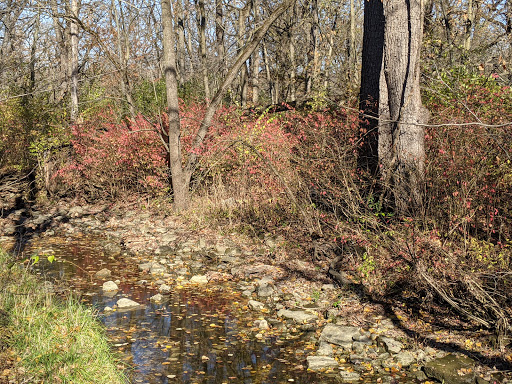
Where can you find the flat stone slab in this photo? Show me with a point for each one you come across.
(324, 349)
(321, 362)
(451, 369)
(297, 316)
(391, 345)
(125, 303)
(339, 334)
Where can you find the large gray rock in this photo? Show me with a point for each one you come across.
(297, 316)
(321, 362)
(339, 334)
(451, 369)
(125, 303)
(265, 291)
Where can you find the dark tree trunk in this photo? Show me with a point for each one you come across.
(370, 90)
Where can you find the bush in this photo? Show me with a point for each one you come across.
(111, 158)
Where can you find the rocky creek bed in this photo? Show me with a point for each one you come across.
(188, 305)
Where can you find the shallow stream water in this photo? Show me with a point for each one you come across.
(199, 335)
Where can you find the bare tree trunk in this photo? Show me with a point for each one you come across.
(329, 56)
(352, 55)
(256, 58)
(62, 71)
(180, 47)
(271, 85)
(201, 26)
(242, 15)
(313, 51)
(293, 67)
(402, 45)
(180, 182)
(74, 60)
(219, 34)
(124, 55)
(470, 19)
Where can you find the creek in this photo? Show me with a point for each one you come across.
(199, 334)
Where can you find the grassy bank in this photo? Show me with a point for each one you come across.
(44, 339)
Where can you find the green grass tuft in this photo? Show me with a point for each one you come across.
(55, 341)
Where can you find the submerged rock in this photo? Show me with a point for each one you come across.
(451, 369)
(125, 303)
(261, 324)
(156, 298)
(103, 273)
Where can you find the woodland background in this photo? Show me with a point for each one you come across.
(84, 111)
